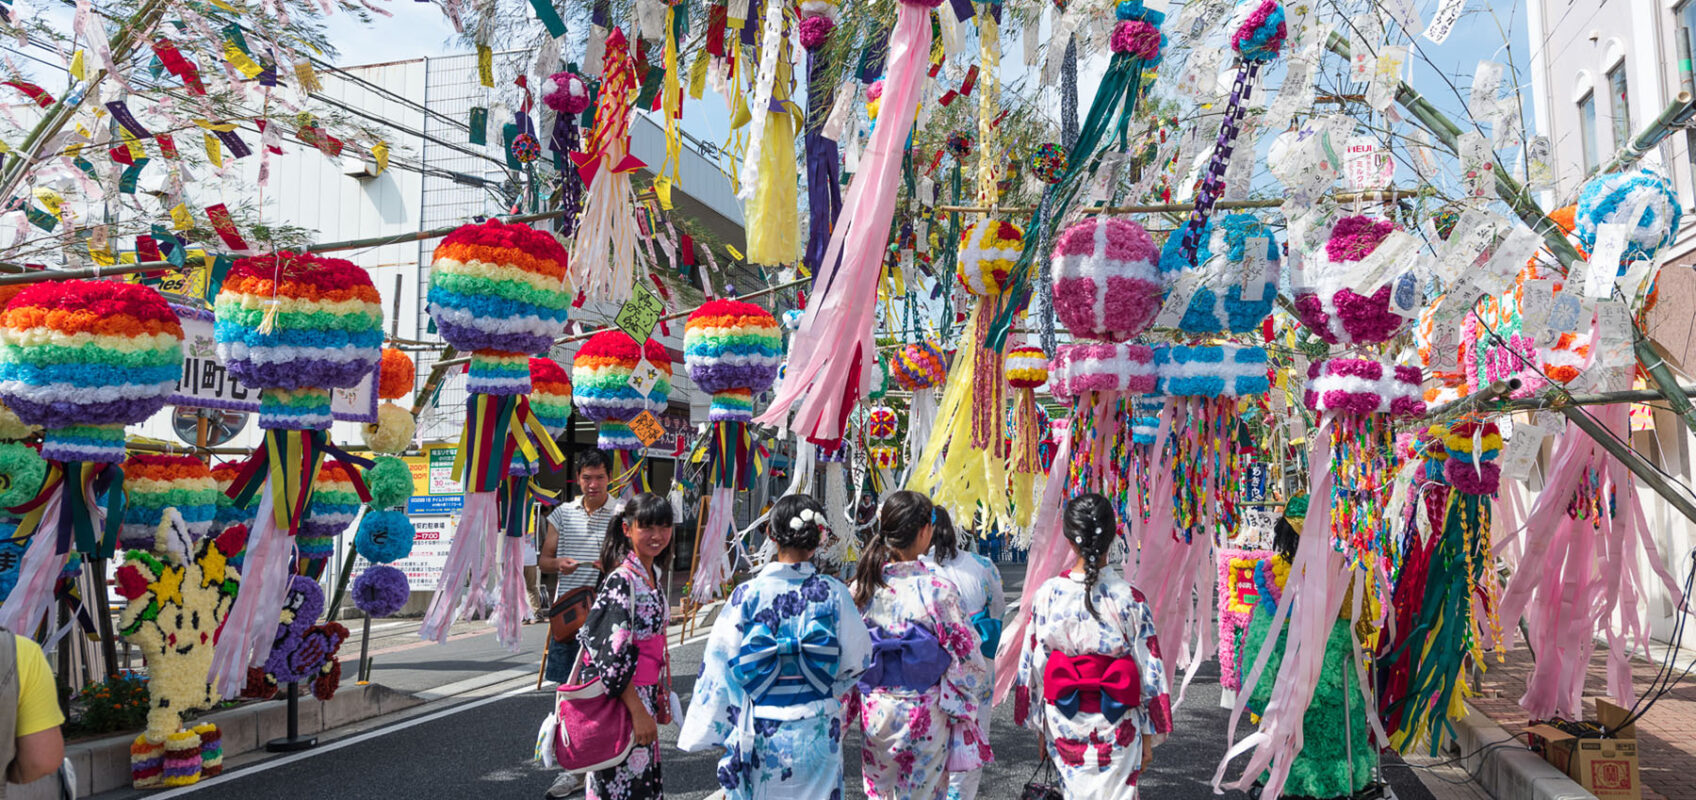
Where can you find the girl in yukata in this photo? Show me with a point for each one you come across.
(782, 656)
(1092, 662)
(919, 700)
(623, 642)
(983, 600)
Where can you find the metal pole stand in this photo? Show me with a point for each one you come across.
(293, 741)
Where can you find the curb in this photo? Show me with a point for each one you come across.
(1506, 768)
(103, 765)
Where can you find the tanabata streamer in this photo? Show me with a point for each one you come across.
(295, 327)
(732, 350)
(1027, 370)
(499, 291)
(824, 168)
(600, 380)
(81, 359)
(605, 245)
(568, 95)
(830, 357)
(768, 178)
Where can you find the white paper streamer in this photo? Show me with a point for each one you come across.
(771, 44)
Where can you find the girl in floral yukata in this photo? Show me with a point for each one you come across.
(982, 598)
(623, 642)
(782, 656)
(1093, 663)
(919, 700)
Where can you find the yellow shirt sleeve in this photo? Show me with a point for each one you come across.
(38, 701)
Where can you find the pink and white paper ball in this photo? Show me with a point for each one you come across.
(1332, 309)
(1106, 279)
(1083, 367)
(566, 93)
(1361, 387)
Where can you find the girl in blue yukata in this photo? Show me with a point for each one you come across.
(782, 657)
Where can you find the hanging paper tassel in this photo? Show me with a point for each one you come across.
(830, 357)
(824, 169)
(568, 95)
(605, 245)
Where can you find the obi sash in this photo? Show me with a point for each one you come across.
(778, 668)
(989, 632)
(650, 659)
(1094, 683)
(912, 660)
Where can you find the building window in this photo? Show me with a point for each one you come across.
(1587, 130)
(1621, 102)
(1687, 21)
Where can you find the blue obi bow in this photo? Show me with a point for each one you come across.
(913, 660)
(766, 656)
(989, 633)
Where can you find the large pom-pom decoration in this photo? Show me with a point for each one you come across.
(919, 368)
(497, 290)
(882, 424)
(295, 327)
(1335, 312)
(1027, 370)
(605, 244)
(1454, 580)
(1221, 302)
(732, 350)
(1257, 39)
(153, 483)
(81, 359)
(381, 590)
(1048, 162)
(1643, 201)
(830, 357)
(384, 537)
(600, 384)
(389, 481)
(392, 432)
(1106, 279)
(22, 471)
(550, 394)
(987, 253)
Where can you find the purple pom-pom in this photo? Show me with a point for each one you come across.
(380, 590)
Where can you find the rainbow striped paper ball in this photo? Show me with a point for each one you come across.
(732, 349)
(600, 385)
(154, 483)
(1106, 279)
(290, 321)
(1027, 367)
(335, 502)
(499, 288)
(84, 358)
(550, 394)
(920, 365)
(987, 255)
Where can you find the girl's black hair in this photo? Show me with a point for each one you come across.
(645, 510)
(780, 526)
(903, 516)
(1285, 537)
(944, 539)
(1090, 525)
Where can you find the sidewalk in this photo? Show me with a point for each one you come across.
(1666, 735)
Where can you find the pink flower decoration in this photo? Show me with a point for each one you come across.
(1354, 238)
(815, 31)
(1106, 279)
(1137, 38)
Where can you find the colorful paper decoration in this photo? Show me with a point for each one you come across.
(153, 483)
(1332, 309)
(988, 251)
(600, 380)
(1106, 279)
(1221, 301)
(1615, 198)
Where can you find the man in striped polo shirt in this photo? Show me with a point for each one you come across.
(572, 546)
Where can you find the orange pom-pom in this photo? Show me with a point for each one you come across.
(396, 375)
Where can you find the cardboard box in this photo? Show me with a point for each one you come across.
(1607, 768)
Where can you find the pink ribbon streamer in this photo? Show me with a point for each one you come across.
(466, 570)
(1049, 556)
(1172, 574)
(251, 626)
(712, 563)
(512, 604)
(835, 335)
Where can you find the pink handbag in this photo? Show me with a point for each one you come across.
(594, 731)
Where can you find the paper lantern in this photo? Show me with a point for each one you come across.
(395, 374)
(1106, 279)
(1360, 387)
(918, 366)
(600, 382)
(295, 327)
(881, 423)
(82, 359)
(1218, 304)
(1027, 367)
(1081, 368)
(498, 291)
(1228, 370)
(154, 483)
(732, 350)
(1335, 312)
(1614, 198)
(988, 252)
(550, 394)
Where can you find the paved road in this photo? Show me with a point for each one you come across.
(482, 749)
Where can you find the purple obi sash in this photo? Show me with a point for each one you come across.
(912, 660)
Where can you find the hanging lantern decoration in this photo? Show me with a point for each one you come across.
(601, 386)
(497, 291)
(295, 327)
(919, 368)
(732, 350)
(1048, 162)
(335, 502)
(1643, 201)
(153, 483)
(1234, 292)
(1332, 309)
(568, 96)
(1107, 282)
(1027, 370)
(881, 423)
(1206, 385)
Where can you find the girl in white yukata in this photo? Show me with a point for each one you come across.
(783, 654)
(919, 700)
(984, 601)
(1092, 662)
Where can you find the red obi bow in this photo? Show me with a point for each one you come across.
(1094, 683)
